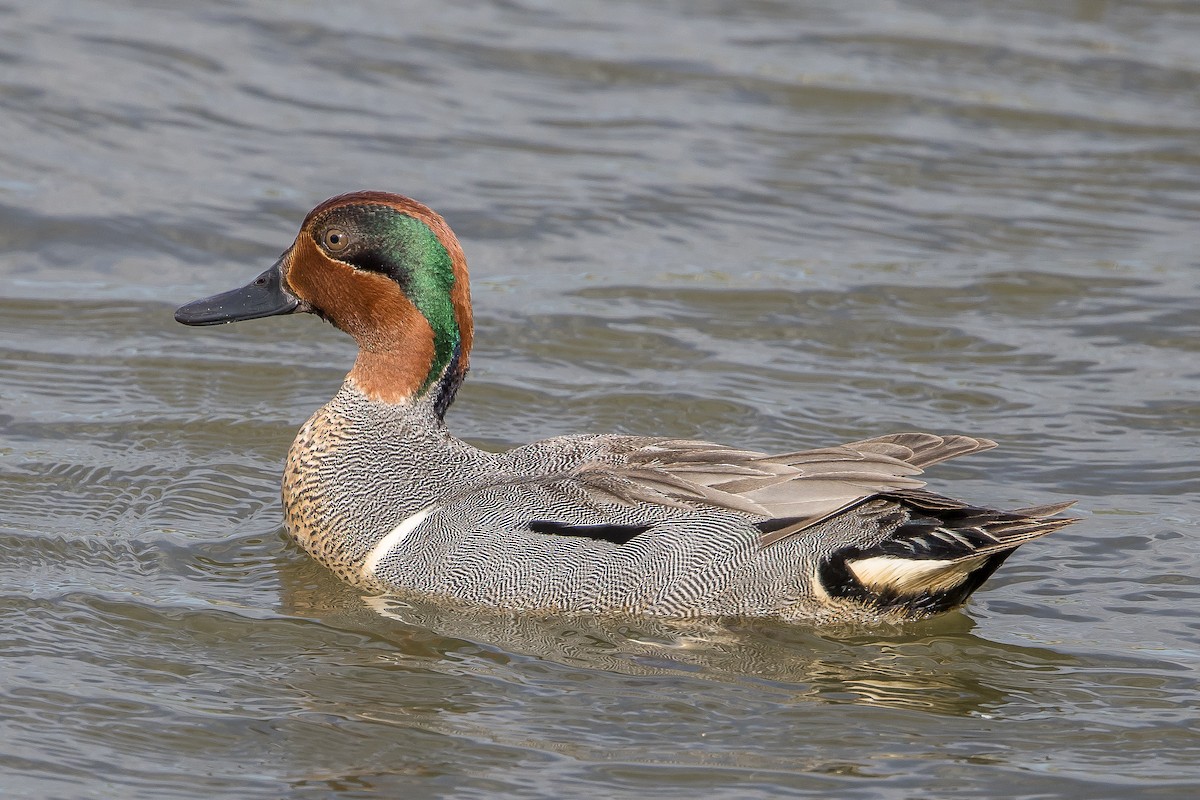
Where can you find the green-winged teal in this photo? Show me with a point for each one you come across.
(377, 488)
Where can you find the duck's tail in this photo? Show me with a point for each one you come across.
(937, 553)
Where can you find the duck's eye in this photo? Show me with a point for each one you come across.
(335, 240)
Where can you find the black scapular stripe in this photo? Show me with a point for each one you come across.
(606, 532)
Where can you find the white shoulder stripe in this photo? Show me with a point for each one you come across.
(388, 543)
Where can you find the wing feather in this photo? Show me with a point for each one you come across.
(788, 492)
(803, 487)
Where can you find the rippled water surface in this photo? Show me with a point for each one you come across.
(776, 224)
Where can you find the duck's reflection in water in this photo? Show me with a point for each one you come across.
(937, 666)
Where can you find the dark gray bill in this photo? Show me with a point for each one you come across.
(262, 297)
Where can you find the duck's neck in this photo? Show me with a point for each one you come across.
(398, 377)
(407, 417)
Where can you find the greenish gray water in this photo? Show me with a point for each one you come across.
(774, 224)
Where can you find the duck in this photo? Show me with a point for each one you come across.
(378, 490)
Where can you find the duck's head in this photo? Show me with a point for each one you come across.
(386, 270)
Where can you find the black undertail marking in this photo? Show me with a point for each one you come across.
(606, 532)
(941, 530)
(839, 581)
